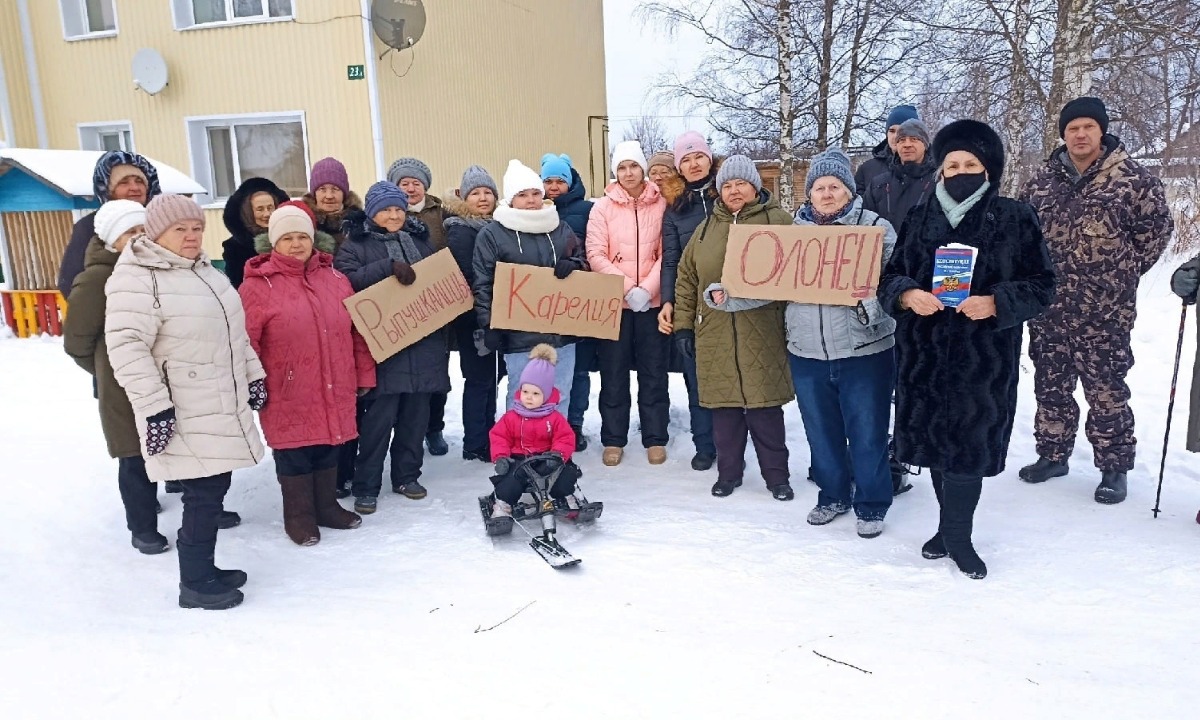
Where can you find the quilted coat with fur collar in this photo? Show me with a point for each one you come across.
(315, 360)
(624, 238)
(176, 338)
(332, 222)
(741, 358)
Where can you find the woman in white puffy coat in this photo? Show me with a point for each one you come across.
(177, 343)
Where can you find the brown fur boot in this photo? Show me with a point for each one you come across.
(330, 513)
(299, 513)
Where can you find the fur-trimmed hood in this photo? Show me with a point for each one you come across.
(322, 241)
(237, 215)
(332, 222)
(459, 213)
(675, 188)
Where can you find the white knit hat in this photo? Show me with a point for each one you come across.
(629, 150)
(520, 177)
(290, 217)
(117, 217)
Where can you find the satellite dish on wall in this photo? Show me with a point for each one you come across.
(149, 71)
(399, 24)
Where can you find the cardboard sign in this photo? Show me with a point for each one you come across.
(529, 298)
(392, 316)
(821, 264)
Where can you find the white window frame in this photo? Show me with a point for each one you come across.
(184, 17)
(74, 12)
(89, 134)
(200, 155)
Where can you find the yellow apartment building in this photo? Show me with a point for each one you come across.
(267, 87)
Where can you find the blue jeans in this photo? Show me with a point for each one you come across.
(581, 388)
(844, 402)
(564, 373)
(701, 417)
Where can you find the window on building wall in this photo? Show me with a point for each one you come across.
(88, 18)
(192, 13)
(227, 150)
(112, 136)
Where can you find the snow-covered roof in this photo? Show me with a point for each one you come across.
(70, 171)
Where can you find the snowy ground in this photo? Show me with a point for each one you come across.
(685, 605)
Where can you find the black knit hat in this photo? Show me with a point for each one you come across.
(975, 137)
(1083, 107)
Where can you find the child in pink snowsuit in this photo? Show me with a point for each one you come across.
(533, 426)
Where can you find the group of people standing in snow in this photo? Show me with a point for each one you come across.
(183, 355)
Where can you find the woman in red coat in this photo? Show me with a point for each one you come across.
(316, 365)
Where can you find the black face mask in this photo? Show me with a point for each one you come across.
(962, 186)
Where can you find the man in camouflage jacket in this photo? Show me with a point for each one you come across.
(1106, 222)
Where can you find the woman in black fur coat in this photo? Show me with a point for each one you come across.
(956, 391)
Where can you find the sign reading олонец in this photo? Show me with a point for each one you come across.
(391, 316)
(530, 298)
(820, 264)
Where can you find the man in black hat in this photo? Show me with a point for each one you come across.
(1106, 222)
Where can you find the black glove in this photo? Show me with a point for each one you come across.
(1185, 282)
(503, 465)
(258, 395)
(564, 267)
(404, 272)
(685, 342)
(493, 340)
(160, 428)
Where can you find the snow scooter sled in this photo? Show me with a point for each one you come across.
(539, 472)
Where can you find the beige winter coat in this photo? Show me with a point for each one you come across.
(176, 338)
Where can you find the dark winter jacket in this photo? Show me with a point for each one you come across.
(900, 188)
(1105, 229)
(688, 205)
(434, 216)
(881, 159)
(522, 237)
(73, 255)
(315, 361)
(741, 357)
(422, 367)
(332, 222)
(574, 208)
(1193, 431)
(239, 220)
(956, 389)
(83, 339)
(462, 228)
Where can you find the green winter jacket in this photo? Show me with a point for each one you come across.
(83, 339)
(741, 358)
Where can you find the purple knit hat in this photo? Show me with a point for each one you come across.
(688, 143)
(328, 171)
(540, 370)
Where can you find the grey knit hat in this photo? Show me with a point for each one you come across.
(739, 167)
(407, 167)
(831, 163)
(914, 129)
(476, 177)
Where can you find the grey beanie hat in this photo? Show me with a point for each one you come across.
(739, 167)
(913, 128)
(831, 163)
(407, 167)
(476, 177)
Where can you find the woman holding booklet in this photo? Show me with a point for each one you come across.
(958, 366)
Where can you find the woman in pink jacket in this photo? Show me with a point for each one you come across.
(624, 238)
(316, 365)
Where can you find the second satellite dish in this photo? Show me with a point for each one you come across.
(398, 24)
(149, 71)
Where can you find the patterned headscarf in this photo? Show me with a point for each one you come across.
(113, 158)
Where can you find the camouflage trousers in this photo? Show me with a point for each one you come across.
(1100, 361)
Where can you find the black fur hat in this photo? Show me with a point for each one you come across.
(975, 137)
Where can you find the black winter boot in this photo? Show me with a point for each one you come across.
(934, 548)
(702, 461)
(960, 497)
(151, 543)
(725, 488)
(1112, 488)
(437, 444)
(200, 586)
(581, 441)
(228, 519)
(174, 486)
(1043, 470)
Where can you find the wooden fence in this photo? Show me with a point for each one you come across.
(36, 241)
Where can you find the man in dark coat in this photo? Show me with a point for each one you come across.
(909, 181)
(565, 187)
(118, 175)
(1185, 283)
(1107, 222)
(243, 223)
(883, 156)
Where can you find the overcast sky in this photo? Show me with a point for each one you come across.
(635, 56)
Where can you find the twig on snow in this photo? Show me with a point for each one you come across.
(839, 662)
(481, 629)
